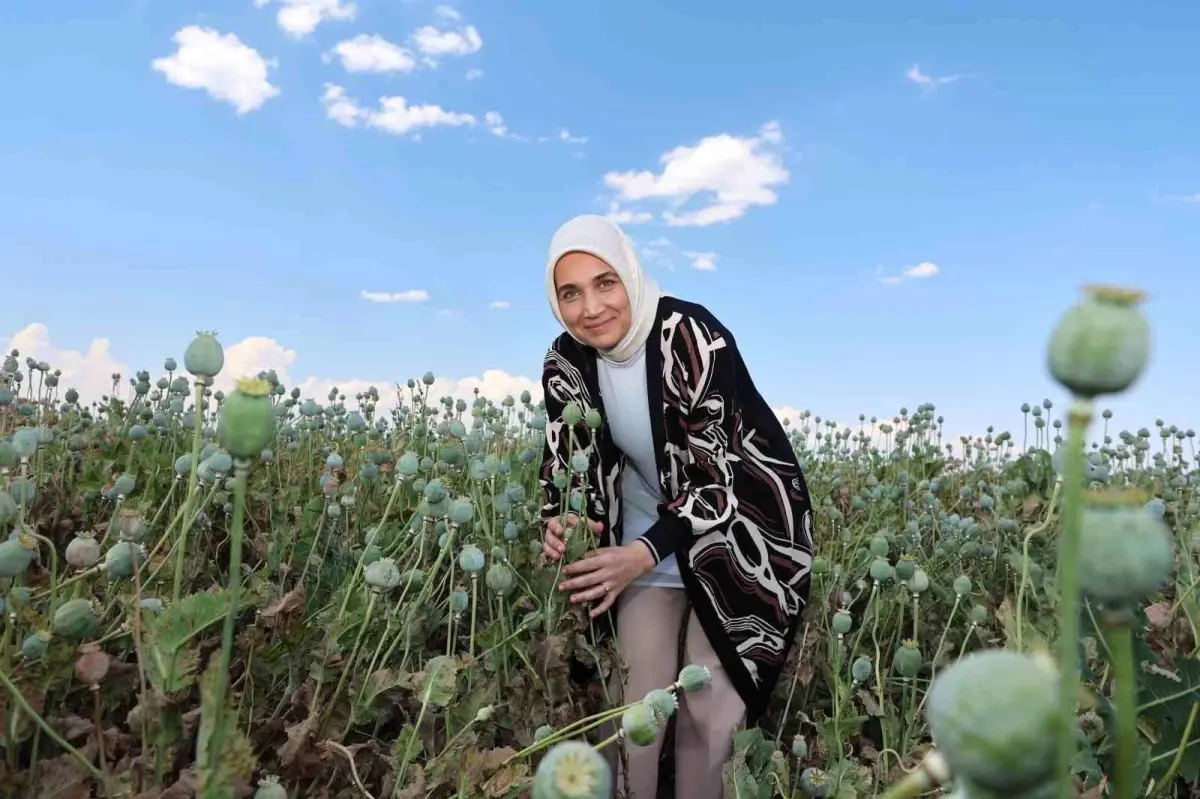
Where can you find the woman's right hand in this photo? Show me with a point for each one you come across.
(554, 546)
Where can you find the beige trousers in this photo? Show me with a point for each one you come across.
(648, 627)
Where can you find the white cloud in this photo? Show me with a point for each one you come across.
(704, 261)
(496, 125)
(502, 305)
(394, 114)
(918, 77)
(447, 12)
(250, 356)
(220, 65)
(435, 43)
(412, 295)
(923, 270)
(731, 173)
(90, 373)
(301, 17)
(1183, 198)
(371, 53)
(474, 74)
(565, 135)
(625, 216)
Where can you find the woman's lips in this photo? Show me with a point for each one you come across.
(597, 325)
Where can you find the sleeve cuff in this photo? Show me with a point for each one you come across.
(665, 535)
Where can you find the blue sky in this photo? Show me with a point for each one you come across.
(1023, 153)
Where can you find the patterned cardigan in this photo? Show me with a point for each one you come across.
(739, 517)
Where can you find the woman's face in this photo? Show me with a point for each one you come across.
(592, 300)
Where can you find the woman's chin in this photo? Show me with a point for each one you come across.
(605, 341)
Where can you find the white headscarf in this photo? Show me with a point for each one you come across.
(601, 237)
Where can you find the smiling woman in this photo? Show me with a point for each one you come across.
(702, 513)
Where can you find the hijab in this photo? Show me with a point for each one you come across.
(598, 236)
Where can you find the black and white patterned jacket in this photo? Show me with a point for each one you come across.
(739, 517)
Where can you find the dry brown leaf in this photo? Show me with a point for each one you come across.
(72, 727)
(63, 777)
(299, 739)
(279, 610)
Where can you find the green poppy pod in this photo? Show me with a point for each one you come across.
(76, 619)
(25, 442)
(815, 782)
(572, 414)
(1101, 345)
(842, 622)
(462, 511)
(205, 356)
(382, 575)
(269, 788)
(907, 660)
(16, 554)
(693, 677)
(247, 423)
(459, 601)
(500, 579)
(1126, 554)
(34, 646)
(471, 559)
(799, 747)
(639, 724)
(122, 559)
(994, 717)
(572, 770)
(435, 491)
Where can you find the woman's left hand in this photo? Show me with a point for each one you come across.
(604, 573)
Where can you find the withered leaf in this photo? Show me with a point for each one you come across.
(281, 609)
(298, 740)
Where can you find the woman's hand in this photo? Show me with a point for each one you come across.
(554, 547)
(604, 573)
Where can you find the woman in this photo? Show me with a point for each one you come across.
(702, 512)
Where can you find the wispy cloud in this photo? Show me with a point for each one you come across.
(1182, 198)
(412, 295)
(704, 261)
(502, 305)
(920, 78)
(921, 271)
(626, 216)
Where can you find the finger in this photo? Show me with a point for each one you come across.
(554, 541)
(589, 595)
(550, 552)
(596, 526)
(589, 563)
(607, 603)
(554, 527)
(583, 581)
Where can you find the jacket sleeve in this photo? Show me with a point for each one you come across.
(554, 451)
(700, 378)
(562, 383)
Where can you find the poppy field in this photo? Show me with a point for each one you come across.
(265, 594)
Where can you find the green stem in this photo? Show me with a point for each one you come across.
(198, 427)
(241, 470)
(1078, 418)
(1121, 640)
(46, 728)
